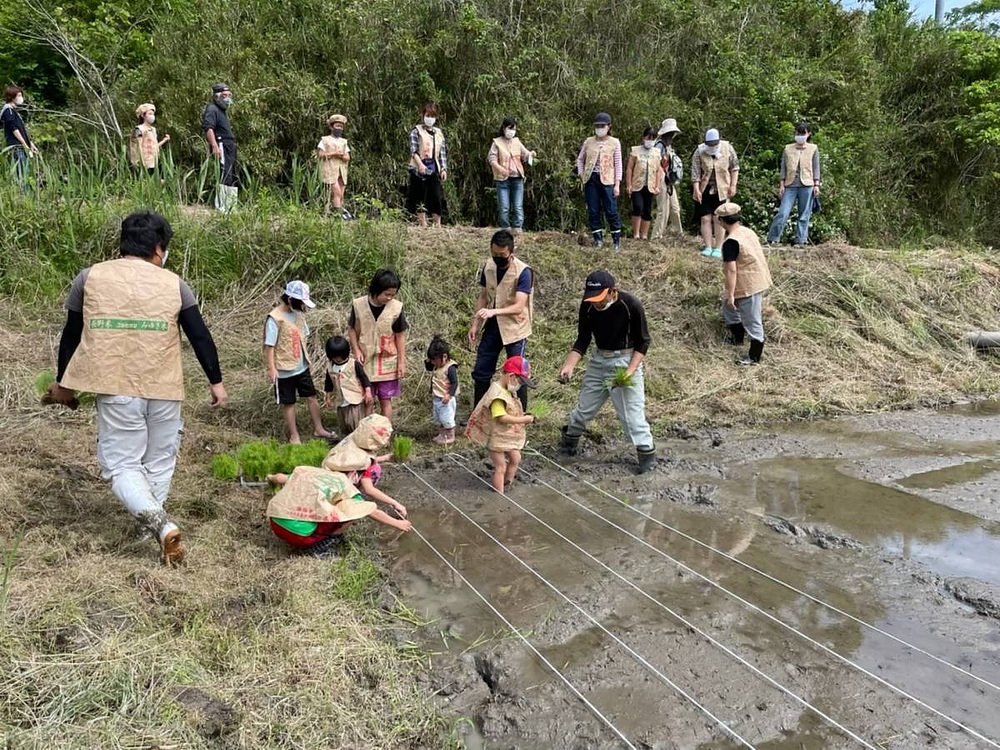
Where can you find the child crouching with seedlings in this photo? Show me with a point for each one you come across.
(358, 456)
(444, 388)
(346, 384)
(498, 421)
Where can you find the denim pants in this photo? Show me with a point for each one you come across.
(629, 401)
(444, 414)
(22, 168)
(792, 195)
(490, 346)
(137, 443)
(510, 194)
(601, 197)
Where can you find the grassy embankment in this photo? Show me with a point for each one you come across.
(99, 641)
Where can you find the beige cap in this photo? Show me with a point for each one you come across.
(728, 209)
(142, 109)
(337, 118)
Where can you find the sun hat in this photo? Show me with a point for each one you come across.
(356, 451)
(299, 290)
(318, 495)
(668, 126)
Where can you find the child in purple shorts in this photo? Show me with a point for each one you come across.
(376, 328)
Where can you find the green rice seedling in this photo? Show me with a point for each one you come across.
(540, 409)
(307, 454)
(402, 447)
(43, 380)
(621, 379)
(258, 458)
(225, 468)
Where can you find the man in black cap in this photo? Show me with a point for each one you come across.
(616, 321)
(222, 145)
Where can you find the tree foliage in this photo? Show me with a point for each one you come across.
(906, 114)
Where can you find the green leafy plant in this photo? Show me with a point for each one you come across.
(307, 454)
(258, 458)
(402, 447)
(225, 468)
(540, 408)
(621, 379)
(43, 380)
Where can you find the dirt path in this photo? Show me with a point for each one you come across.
(889, 519)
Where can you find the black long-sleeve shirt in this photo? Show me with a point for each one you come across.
(621, 326)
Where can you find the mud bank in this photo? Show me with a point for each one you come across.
(891, 520)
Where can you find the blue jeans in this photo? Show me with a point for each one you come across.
(490, 346)
(601, 197)
(802, 196)
(510, 192)
(22, 169)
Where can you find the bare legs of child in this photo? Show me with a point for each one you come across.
(505, 465)
(314, 413)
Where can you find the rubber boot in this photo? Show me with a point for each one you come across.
(737, 332)
(569, 444)
(753, 356)
(598, 237)
(616, 241)
(647, 459)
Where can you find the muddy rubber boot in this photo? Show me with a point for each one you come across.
(616, 241)
(569, 444)
(598, 238)
(753, 356)
(647, 459)
(737, 333)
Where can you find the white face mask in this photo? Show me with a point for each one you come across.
(602, 306)
(19, 100)
(515, 386)
(649, 143)
(429, 121)
(712, 150)
(337, 369)
(509, 133)
(601, 131)
(150, 118)
(163, 262)
(800, 139)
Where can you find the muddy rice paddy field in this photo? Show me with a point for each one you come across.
(832, 585)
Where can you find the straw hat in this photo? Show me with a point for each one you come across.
(318, 495)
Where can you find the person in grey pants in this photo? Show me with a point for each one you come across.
(747, 277)
(616, 322)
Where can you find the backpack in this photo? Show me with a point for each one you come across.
(674, 171)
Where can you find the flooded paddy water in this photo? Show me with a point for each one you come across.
(826, 585)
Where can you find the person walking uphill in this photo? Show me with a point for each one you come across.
(616, 321)
(599, 165)
(504, 312)
(222, 146)
(747, 277)
(714, 173)
(798, 183)
(121, 342)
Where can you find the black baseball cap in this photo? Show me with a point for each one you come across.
(597, 286)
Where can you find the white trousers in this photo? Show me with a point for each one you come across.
(137, 443)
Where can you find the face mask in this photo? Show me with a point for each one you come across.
(429, 121)
(602, 306)
(163, 260)
(509, 133)
(338, 132)
(337, 369)
(601, 131)
(150, 118)
(648, 143)
(500, 262)
(225, 102)
(800, 139)
(19, 100)
(712, 150)
(515, 386)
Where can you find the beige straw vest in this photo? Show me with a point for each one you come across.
(718, 165)
(484, 430)
(799, 162)
(346, 385)
(332, 169)
(602, 154)
(145, 149)
(317, 495)
(377, 340)
(752, 273)
(439, 380)
(430, 144)
(291, 344)
(508, 157)
(131, 344)
(512, 327)
(647, 171)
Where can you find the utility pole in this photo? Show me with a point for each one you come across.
(938, 11)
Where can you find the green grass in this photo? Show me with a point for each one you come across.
(355, 577)
(402, 447)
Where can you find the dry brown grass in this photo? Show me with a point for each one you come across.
(98, 639)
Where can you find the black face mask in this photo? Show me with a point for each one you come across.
(501, 262)
(337, 132)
